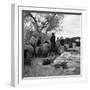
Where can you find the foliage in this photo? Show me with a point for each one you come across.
(40, 22)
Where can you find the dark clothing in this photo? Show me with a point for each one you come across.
(27, 60)
(62, 42)
(52, 43)
(52, 39)
(39, 42)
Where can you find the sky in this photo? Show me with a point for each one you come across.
(71, 26)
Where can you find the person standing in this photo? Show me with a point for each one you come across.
(52, 40)
(62, 45)
(62, 41)
(39, 41)
(39, 47)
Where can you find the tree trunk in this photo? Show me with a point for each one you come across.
(35, 24)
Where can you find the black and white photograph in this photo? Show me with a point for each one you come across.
(51, 43)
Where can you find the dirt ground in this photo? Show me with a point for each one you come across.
(65, 64)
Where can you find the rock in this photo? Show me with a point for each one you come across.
(71, 69)
(59, 60)
(63, 65)
(45, 49)
(69, 64)
(72, 64)
(57, 65)
(46, 62)
(66, 55)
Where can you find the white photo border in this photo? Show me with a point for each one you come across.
(16, 67)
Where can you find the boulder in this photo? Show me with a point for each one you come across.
(30, 49)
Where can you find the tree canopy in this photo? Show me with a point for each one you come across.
(41, 22)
